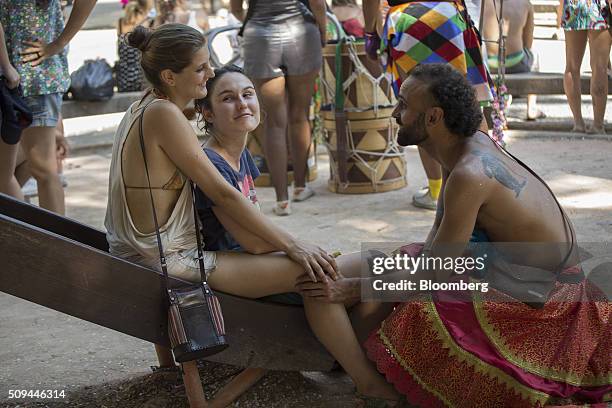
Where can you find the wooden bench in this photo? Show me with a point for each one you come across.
(64, 265)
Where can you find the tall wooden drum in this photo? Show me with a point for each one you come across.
(373, 162)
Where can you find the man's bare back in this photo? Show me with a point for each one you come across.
(483, 188)
(514, 206)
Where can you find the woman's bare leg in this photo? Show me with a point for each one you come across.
(40, 149)
(300, 89)
(272, 96)
(575, 44)
(365, 316)
(8, 162)
(22, 170)
(599, 47)
(260, 275)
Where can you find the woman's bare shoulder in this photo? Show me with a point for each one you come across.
(160, 111)
(162, 119)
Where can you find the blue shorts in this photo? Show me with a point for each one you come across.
(46, 109)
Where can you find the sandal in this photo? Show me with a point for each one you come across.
(302, 193)
(282, 208)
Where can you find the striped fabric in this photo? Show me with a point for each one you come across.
(215, 313)
(176, 330)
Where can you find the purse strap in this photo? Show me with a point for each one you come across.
(162, 257)
(566, 220)
(198, 228)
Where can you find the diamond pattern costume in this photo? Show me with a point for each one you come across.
(430, 32)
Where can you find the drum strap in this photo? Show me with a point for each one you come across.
(340, 115)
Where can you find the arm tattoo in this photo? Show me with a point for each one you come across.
(495, 168)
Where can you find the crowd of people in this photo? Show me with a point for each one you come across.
(435, 348)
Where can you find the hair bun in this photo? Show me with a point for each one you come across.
(139, 37)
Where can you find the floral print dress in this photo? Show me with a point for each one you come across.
(26, 20)
(585, 15)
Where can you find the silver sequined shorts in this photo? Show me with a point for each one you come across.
(292, 47)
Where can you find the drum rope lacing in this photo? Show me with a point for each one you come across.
(392, 149)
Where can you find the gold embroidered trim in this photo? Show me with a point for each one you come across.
(546, 372)
(462, 355)
(406, 367)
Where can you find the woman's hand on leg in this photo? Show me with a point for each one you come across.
(316, 262)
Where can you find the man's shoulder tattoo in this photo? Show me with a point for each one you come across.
(496, 168)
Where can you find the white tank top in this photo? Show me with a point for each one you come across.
(125, 241)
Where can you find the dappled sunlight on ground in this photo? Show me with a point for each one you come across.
(578, 191)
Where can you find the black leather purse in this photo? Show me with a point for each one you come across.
(195, 321)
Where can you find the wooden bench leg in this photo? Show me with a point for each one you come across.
(193, 385)
(238, 386)
(164, 356)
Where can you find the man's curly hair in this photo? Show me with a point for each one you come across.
(453, 94)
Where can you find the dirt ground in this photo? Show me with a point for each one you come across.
(97, 367)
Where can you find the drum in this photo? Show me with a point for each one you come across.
(365, 87)
(375, 162)
(255, 146)
(369, 157)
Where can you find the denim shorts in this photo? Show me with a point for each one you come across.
(46, 109)
(185, 265)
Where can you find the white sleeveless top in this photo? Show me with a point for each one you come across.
(125, 241)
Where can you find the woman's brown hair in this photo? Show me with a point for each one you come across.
(170, 46)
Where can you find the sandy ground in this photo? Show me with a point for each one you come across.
(44, 349)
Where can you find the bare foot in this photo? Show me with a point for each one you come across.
(535, 115)
(596, 130)
(383, 395)
(578, 128)
(366, 401)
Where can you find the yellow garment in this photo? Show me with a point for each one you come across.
(434, 187)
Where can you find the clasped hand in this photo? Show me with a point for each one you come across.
(317, 263)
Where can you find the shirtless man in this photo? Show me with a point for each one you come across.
(483, 189)
(518, 28)
(441, 347)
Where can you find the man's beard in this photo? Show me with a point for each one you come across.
(413, 134)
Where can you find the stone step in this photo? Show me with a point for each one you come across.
(545, 6)
(118, 103)
(544, 84)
